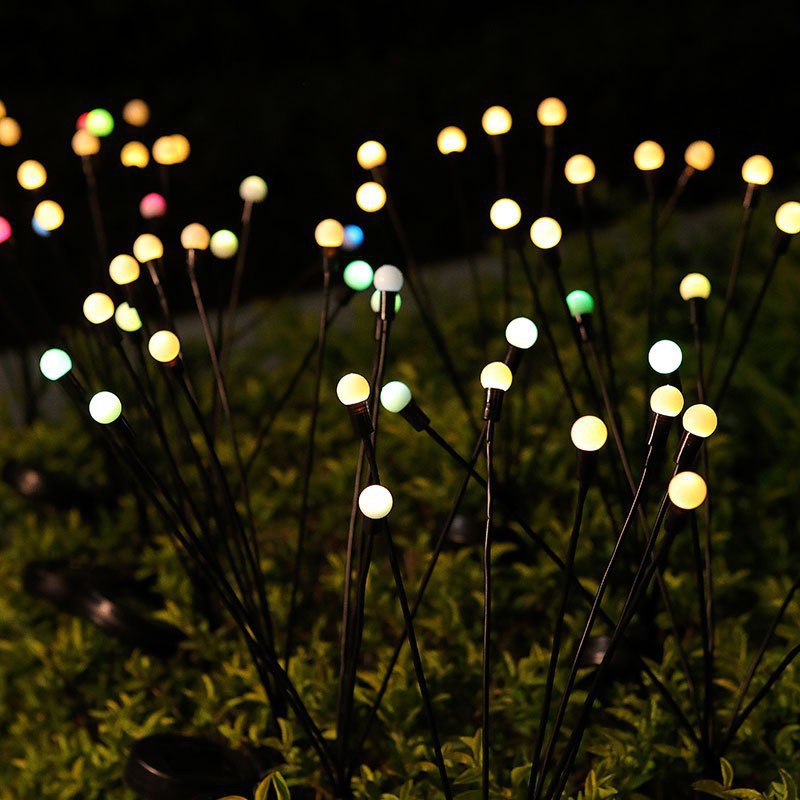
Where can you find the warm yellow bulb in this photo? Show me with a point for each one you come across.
(371, 154)
(687, 490)
(496, 120)
(170, 150)
(371, 197)
(699, 155)
(649, 155)
(695, 285)
(31, 175)
(496, 375)
(589, 433)
(451, 140)
(787, 217)
(84, 143)
(49, 215)
(700, 420)
(2, 109)
(123, 269)
(98, 308)
(545, 233)
(757, 170)
(195, 237)
(329, 233)
(505, 213)
(147, 247)
(164, 346)
(136, 112)
(579, 169)
(352, 388)
(667, 401)
(10, 132)
(134, 154)
(551, 112)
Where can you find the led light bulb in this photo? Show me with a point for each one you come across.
(694, 286)
(496, 121)
(171, 150)
(253, 189)
(699, 155)
(496, 375)
(353, 237)
(371, 154)
(388, 278)
(395, 396)
(105, 408)
(687, 490)
(375, 302)
(580, 303)
(700, 420)
(123, 269)
(757, 170)
(147, 247)
(648, 156)
(49, 215)
(787, 218)
(98, 308)
(195, 237)
(667, 401)
(545, 233)
(579, 169)
(5, 230)
(505, 213)
(127, 318)
(370, 197)
(39, 230)
(2, 109)
(665, 356)
(375, 501)
(329, 233)
(10, 132)
(451, 140)
(153, 206)
(352, 389)
(55, 364)
(164, 346)
(358, 275)
(136, 112)
(522, 333)
(85, 143)
(224, 244)
(589, 433)
(31, 175)
(134, 154)
(551, 112)
(99, 122)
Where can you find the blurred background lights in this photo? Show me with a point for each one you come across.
(49, 215)
(496, 375)
(695, 285)
(170, 150)
(127, 318)
(665, 356)
(80, 123)
(551, 112)
(687, 490)
(39, 230)
(2, 109)
(787, 218)
(105, 408)
(451, 140)
(99, 122)
(375, 302)
(134, 154)
(666, 401)
(54, 364)
(123, 269)
(522, 333)
(98, 308)
(370, 197)
(147, 247)
(136, 112)
(757, 170)
(545, 233)
(496, 120)
(375, 501)
(358, 275)
(224, 244)
(31, 175)
(579, 169)
(505, 213)
(579, 303)
(371, 154)
(648, 156)
(395, 396)
(329, 233)
(353, 237)
(5, 230)
(253, 189)
(164, 346)
(588, 433)
(699, 155)
(10, 132)
(85, 143)
(152, 206)
(195, 237)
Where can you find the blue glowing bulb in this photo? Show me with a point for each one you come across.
(353, 237)
(38, 229)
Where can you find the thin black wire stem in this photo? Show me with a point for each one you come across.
(680, 186)
(486, 673)
(97, 216)
(651, 272)
(583, 490)
(549, 165)
(309, 461)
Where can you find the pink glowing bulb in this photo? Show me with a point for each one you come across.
(5, 230)
(81, 123)
(152, 206)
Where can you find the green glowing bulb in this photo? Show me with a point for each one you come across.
(358, 275)
(375, 302)
(105, 408)
(99, 122)
(580, 303)
(395, 396)
(55, 364)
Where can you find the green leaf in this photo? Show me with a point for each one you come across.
(281, 789)
(714, 788)
(263, 788)
(727, 773)
(789, 784)
(746, 794)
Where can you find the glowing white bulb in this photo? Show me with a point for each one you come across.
(370, 197)
(388, 278)
(55, 364)
(253, 189)
(224, 244)
(505, 213)
(352, 388)
(545, 233)
(589, 433)
(375, 501)
(105, 407)
(665, 356)
(522, 333)
(395, 396)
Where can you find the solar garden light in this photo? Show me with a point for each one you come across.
(496, 378)
(666, 402)
(521, 335)
(695, 289)
(699, 422)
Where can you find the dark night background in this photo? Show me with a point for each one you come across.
(289, 91)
